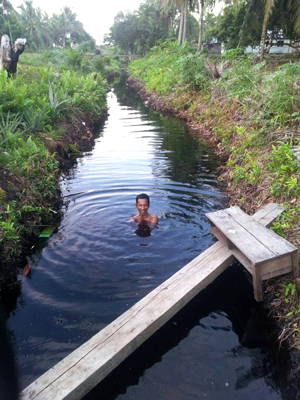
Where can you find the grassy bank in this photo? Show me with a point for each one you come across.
(46, 113)
(251, 112)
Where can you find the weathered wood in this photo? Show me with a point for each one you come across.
(254, 250)
(267, 215)
(257, 285)
(295, 264)
(275, 243)
(85, 367)
(264, 253)
(254, 240)
(279, 266)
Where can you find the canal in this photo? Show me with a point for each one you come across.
(98, 264)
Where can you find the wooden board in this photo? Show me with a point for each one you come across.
(255, 241)
(275, 243)
(85, 367)
(267, 215)
(255, 251)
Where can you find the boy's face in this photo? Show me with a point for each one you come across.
(142, 206)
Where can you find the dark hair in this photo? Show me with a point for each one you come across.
(142, 196)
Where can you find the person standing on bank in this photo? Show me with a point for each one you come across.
(142, 203)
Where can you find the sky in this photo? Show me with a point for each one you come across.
(97, 16)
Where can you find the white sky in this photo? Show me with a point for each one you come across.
(97, 16)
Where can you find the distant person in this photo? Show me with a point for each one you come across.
(142, 203)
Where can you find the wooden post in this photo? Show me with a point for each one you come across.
(295, 265)
(257, 286)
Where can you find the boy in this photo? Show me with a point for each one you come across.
(142, 204)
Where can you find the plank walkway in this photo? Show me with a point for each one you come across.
(83, 369)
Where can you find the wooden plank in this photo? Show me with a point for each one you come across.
(78, 373)
(275, 243)
(253, 249)
(295, 264)
(279, 266)
(236, 252)
(268, 214)
(257, 285)
(85, 367)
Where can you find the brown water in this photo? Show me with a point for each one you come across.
(96, 267)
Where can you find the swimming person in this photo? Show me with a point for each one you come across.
(142, 203)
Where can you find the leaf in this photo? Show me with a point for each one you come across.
(26, 270)
(290, 313)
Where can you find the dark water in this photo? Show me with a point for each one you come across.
(95, 267)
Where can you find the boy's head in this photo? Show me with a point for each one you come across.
(142, 203)
(142, 196)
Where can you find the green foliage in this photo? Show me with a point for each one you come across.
(55, 103)
(192, 71)
(8, 125)
(289, 293)
(88, 46)
(169, 67)
(285, 169)
(242, 80)
(36, 119)
(68, 60)
(290, 219)
(40, 30)
(31, 104)
(282, 97)
(136, 32)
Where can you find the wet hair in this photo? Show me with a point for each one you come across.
(142, 196)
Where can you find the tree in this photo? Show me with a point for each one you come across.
(268, 9)
(63, 25)
(138, 31)
(280, 16)
(182, 5)
(31, 23)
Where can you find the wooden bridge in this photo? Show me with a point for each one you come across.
(246, 238)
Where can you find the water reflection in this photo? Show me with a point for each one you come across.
(143, 230)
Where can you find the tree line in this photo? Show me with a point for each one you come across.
(240, 23)
(40, 30)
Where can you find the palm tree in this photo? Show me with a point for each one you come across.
(201, 16)
(31, 22)
(268, 10)
(203, 5)
(293, 5)
(63, 25)
(182, 5)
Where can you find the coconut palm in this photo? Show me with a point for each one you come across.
(63, 25)
(171, 5)
(31, 21)
(268, 9)
(293, 5)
